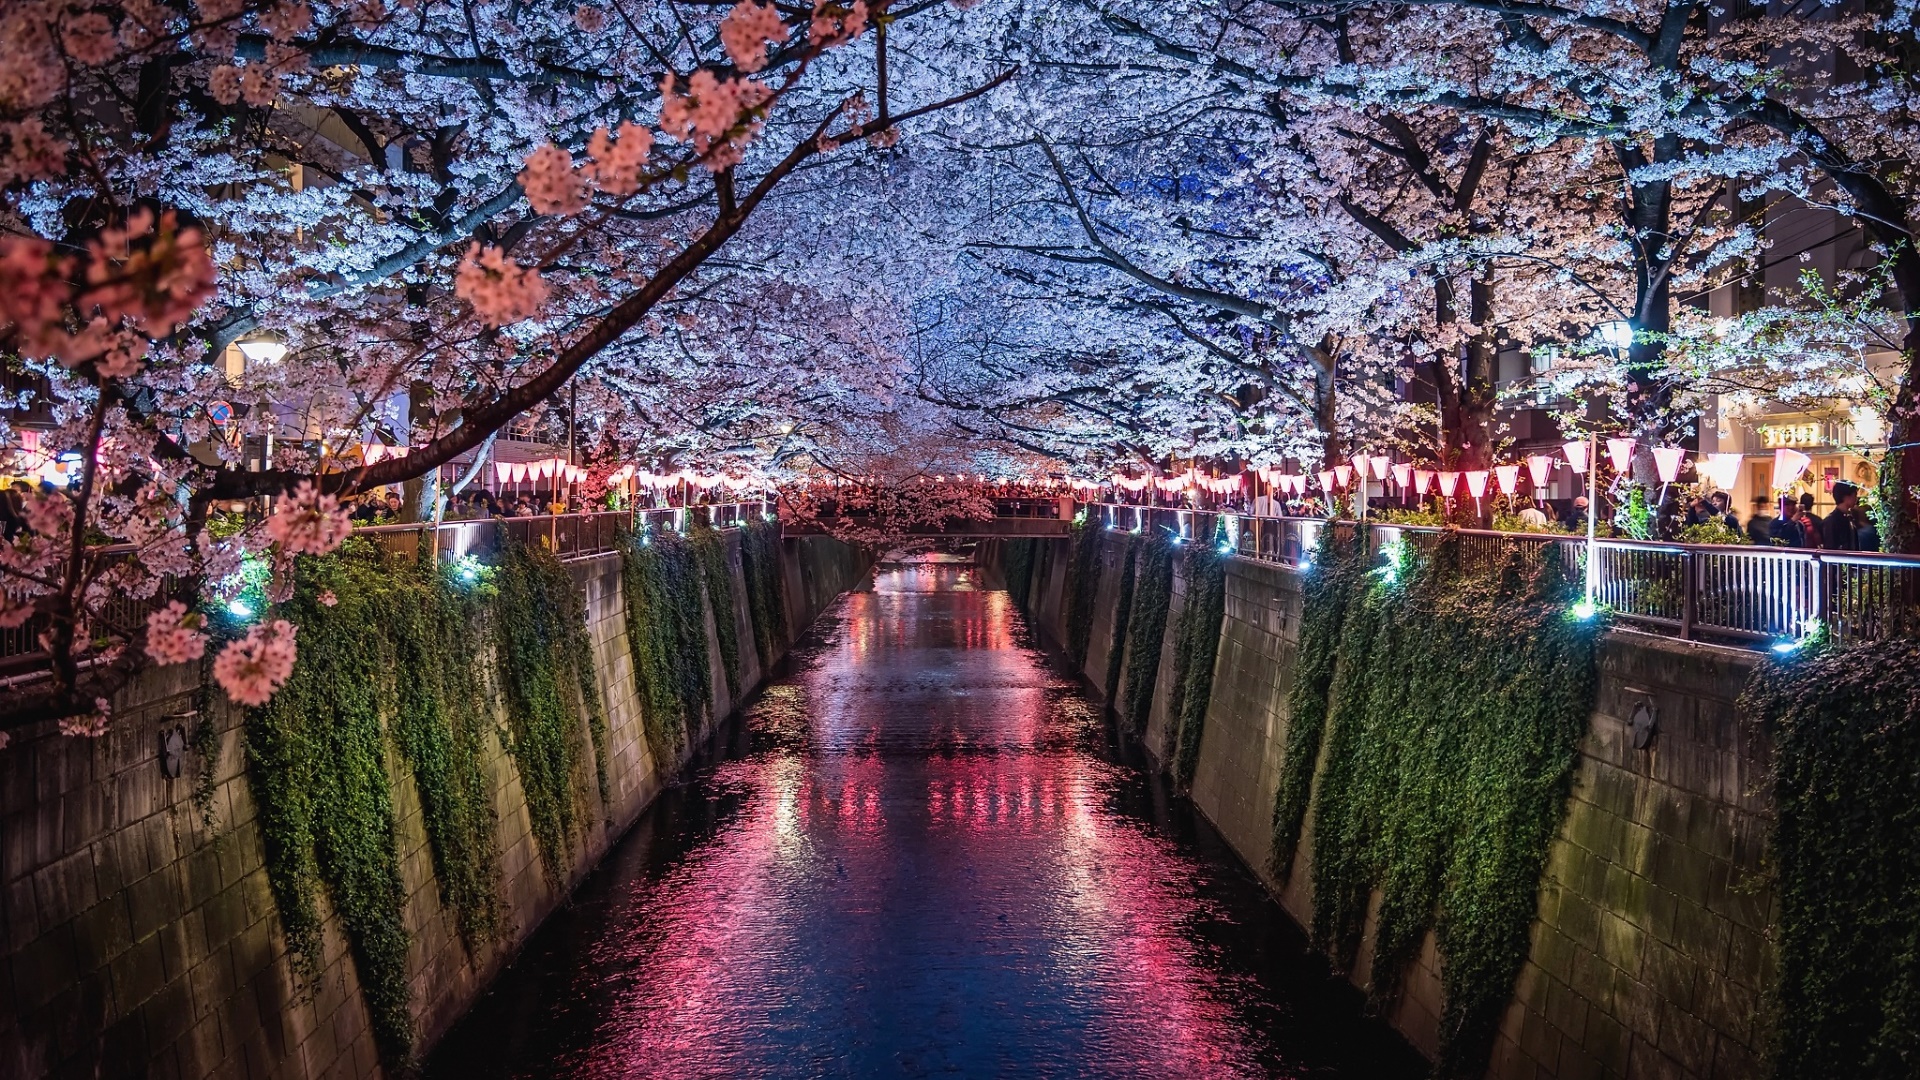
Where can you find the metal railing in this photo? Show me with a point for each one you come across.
(1711, 592)
(570, 536)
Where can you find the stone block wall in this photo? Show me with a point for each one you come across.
(1649, 953)
(138, 940)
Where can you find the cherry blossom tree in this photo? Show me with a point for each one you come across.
(443, 214)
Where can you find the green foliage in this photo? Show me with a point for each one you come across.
(1083, 585)
(1845, 727)
(1505, 522)
(666, 630)
(1712, 532)
(1122, 618)
(546, 666)
(1327, 589)
(1195, 644)
(1146, 631)
(766, 589)
(711, 548)
(1420, 515)
(1635, 516)
(1457, 705)
(400, 645)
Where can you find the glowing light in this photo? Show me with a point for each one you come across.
(1616, 335)
(1381, 463)
(1403, 476)
(1584, 610)
(1667, 461)
(1576, 455)
(1787, 467)
(1477, 482)
(1621, 453)
(1508, 476)
(1722, 469)
(1343, 473)
(1450, 482)
(1422, 481)
(1540, 469)
(262, 350)
(239, 609)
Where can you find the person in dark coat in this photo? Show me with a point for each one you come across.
(1840, 532)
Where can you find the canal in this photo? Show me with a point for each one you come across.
(919, 851)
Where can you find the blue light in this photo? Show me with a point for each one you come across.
(1785, 648)
(239, 609)
(1584, 610)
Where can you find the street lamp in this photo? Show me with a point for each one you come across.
(262, 350)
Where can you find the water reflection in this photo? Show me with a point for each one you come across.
(921, 859)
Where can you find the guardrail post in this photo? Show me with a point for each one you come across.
(1822, 592)
(1689, 595)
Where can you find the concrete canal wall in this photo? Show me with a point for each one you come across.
(1649, 951)
(135, 940)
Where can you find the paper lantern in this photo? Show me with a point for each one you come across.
(1576, 455)
(1667, 461)
(1326, 479)
(1361, 465)
(502, 471)
(1722, 469)
(1343, 474)
(1621, 451)
(1477, 482)
(1539, 469)
(1422, 480)
(520, 472)
(1381, 463)
(1508, 476)
(1787, 467)
(1403, 475)
(1449, 483)
(372, 452)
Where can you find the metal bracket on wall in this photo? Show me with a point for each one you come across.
(173, 744)
(1644, 724)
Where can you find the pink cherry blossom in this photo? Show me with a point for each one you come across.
(89, 38)
(254, 667)
(836, 24)
(501, 292)
(590, 19)
(308, 522)
(617, 167)
(88, 725)
(286, 21)
(551, 184)
(327, 598)
(31, 152)
(712, 114)
(48, 512)
(223, 82)
(747, 31)
(173, 635)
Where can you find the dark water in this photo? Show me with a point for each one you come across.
(918, 854)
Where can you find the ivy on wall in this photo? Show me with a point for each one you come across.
(1325, 592)
(1146, 631)
(1457, 704)
(666, 630)
(766, 588)
(1845, 726)
(546, 668)
(1083, 585)
(398, 644)
(1122, 617)
(711, 548)
(1195, 644)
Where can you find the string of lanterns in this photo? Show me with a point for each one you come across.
(1722, 470)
